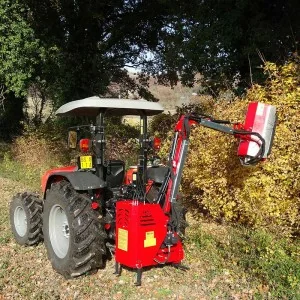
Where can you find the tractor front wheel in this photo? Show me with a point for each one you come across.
(74, 238)
(25, 218)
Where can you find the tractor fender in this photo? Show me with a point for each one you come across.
(80, 180)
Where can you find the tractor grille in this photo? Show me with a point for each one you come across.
(146, 218)
(123, 217)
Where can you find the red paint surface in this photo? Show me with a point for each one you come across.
(253, 122)
(129, 175)
(51, 172)
(95, 205)
(84, 145)
(139, 220)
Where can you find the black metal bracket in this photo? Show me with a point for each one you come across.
(138, 277)
(118, 269)
(181, 267)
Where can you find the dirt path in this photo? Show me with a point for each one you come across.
(26, 273)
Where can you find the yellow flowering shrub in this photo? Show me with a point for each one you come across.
(267, 194)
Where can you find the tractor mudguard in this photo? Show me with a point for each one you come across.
(157, 174)
(79, 180)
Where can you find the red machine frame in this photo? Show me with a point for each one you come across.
(147, 234)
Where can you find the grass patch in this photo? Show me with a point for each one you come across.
(276, 261)
(226, 262)
(270, 262)
(5, 238)
(12, 169)
(4, 148)
(30, 156)
(164, 292)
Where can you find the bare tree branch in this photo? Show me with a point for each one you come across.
(3, 91)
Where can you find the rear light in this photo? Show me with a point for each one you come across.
(107, 226)
(84, 145)
(156, 143)
(94, 205)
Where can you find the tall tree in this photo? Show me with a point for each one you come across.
(20, 53)
(20, 50)
(88, 45)
(71, 49)
(224, 39)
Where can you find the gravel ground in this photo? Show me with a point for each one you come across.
(26, 273)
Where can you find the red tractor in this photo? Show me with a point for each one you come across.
(96, 208)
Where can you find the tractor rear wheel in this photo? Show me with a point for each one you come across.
(25, 218)
(74, 237)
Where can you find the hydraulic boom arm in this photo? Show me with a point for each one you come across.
(178, 153)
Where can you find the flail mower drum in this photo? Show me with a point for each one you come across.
(95, 208)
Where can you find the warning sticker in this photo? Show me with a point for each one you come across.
(150, 239)
(123, 239)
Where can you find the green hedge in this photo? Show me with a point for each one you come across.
(266, 195)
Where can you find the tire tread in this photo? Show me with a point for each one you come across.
(33, 208)
(88, 242)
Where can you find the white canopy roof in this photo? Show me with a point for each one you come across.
(92, 106)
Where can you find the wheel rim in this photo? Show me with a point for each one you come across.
(20, 221)
(59, 231)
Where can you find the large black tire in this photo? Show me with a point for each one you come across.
(73, 235)
(26, 218)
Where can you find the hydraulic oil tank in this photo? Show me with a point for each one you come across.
(260, 118)
(140, 232)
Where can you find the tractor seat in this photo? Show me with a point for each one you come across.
(115, 172)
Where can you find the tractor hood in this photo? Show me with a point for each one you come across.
(92, 106)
